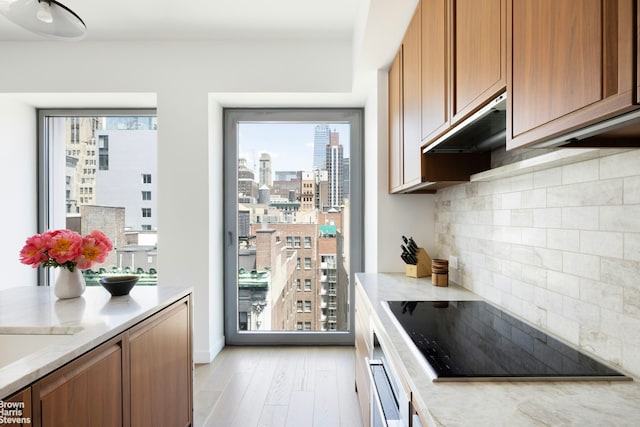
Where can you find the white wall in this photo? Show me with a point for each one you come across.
(559, 247)
(19, 186)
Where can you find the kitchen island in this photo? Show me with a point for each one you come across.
(136, 347)
(481, 403)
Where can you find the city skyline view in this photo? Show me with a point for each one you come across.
(290, 145)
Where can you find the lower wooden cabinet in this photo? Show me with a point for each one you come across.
(16, 409)
(142, 377)
(85, 392)
(160, 369)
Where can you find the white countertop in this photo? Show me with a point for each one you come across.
(548, 403)
(79, 324)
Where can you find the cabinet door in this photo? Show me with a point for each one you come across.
(434, 68)
(395, 124)
(86, 392)
(363, 349)
(19, 406)
(412, 138)
(572, 65)
(479, 54)
(161, 369)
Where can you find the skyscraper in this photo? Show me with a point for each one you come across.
(321, 140)
(335, 170)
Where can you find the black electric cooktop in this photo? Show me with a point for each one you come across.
(474, 340)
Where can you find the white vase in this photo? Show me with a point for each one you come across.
(69, 284)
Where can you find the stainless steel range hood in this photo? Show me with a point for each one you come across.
(484, 130)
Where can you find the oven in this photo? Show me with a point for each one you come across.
(390, 405)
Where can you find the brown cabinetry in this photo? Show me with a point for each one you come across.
(142, 377)
(572, 65)
(452, 61)
(404, 111)
(160, 369)
(86, 392)
(463, 60)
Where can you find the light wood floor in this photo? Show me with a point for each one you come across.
(277, 386)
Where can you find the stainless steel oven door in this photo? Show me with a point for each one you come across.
(389, 404)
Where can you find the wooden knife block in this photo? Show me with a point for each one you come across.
(422, 268)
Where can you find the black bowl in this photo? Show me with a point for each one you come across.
(119, 285)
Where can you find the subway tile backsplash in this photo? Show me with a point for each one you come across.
(559, 247)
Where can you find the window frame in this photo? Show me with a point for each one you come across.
(231, 118)
(49, 190)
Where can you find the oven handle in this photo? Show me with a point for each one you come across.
(375, 389)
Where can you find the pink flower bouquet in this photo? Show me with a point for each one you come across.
(66, 249)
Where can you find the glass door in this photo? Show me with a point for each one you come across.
(292, 191)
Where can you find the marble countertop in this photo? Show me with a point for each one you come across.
(67, 328)
(547, 403)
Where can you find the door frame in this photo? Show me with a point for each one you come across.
(232, 116)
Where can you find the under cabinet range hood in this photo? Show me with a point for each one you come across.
(485, 130)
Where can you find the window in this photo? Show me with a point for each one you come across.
(314, 190)
(100, 181)
(299, 326)
(146, 178)
(146, 195)
(298, 287)
(299, 306)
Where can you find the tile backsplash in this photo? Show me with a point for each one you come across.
(558, 247)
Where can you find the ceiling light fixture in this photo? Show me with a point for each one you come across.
(48, 18)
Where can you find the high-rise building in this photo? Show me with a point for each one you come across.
(247, 185)
(265, 177)
(321, 138)
(335, 171)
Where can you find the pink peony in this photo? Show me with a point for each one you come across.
(34, 251)
(64, 245)
(95, 248)
(66, 249)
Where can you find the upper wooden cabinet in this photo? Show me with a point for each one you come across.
(405, 111)
(479, 60)
(395, 124)
(463, 59)
(573, 64)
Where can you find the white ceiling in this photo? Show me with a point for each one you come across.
(205, 19)
(375, 27)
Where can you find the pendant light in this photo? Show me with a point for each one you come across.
(48, 18)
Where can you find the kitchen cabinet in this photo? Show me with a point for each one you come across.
(396, 158)
(404, 111)
(88, 391)
(141, 377)
(363, 352)
(452, 61)
(160, 368)
(16, 410)
(572, 65)
(463, 58)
